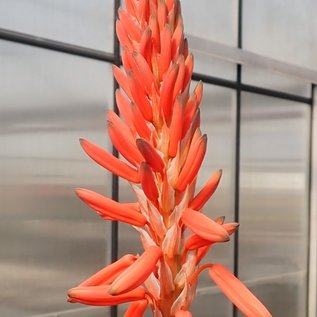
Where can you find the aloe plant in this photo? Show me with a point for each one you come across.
(158, 133)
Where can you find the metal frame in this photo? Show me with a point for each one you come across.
(241, 58)
(312, 205)
(115, 179)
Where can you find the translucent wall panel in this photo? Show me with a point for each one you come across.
(80, 22)
(273, 209)
(276, 81)
(50, 241)
(212, 19)
(285, 30)
(208, 65)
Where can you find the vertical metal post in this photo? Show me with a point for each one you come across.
(237, 153)
(115, 180)
(312, 208)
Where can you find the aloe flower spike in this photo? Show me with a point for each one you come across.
(158, 134)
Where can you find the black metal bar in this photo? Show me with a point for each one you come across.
(274, 93)
(237, 181)
(237, 154)
(58, 46)
(76, 50)
(309, 187)
(215, 80)
(115, 179)
(249, 88)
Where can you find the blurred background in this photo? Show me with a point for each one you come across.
(259, 66)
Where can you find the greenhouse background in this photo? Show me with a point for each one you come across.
(258, 62)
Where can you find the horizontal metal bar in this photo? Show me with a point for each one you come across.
(243, 57)
(107, 57)
(215, 80)
(275, 93)
(249, 88)
(37, 41)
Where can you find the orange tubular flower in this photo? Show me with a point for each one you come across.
(158, 133)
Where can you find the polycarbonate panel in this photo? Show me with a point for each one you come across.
(208, 65)
(285, 30)
(80, 22)
(50, 241)
(274, 202)
(276, 81)
(214, 20)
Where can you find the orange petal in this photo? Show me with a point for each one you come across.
(231, 227)
(177, 39)
(130, 25)
(126, 59)
(122, 35)
(150, 155)
(196, 242)
(170, 4)
(148, 182)
(237, 292)
(166, 50)
(138, 272)
(111, 163)
(139, 95)
(175, 131)
(110, 272)
(145, 44)
(122, 139)
(171, 17)
(100, 296)
(220, 220)
(125, 109)
(201, 252)
(192, 164)
(199, 92)
(108, 208)
(178, 87)
(139, 123)
(144, 71)
(144, 10)
(155, 65)
(161, 14)
(132, 8)
(189, 113)
(206, 192)
(189, 66)
(203, 226)
(167, 88)
(155, 32)
(122, 80)
(183, 313)
(136, 309)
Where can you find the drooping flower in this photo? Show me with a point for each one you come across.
(158, 133)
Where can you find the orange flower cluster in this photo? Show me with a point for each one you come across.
(159, 135)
